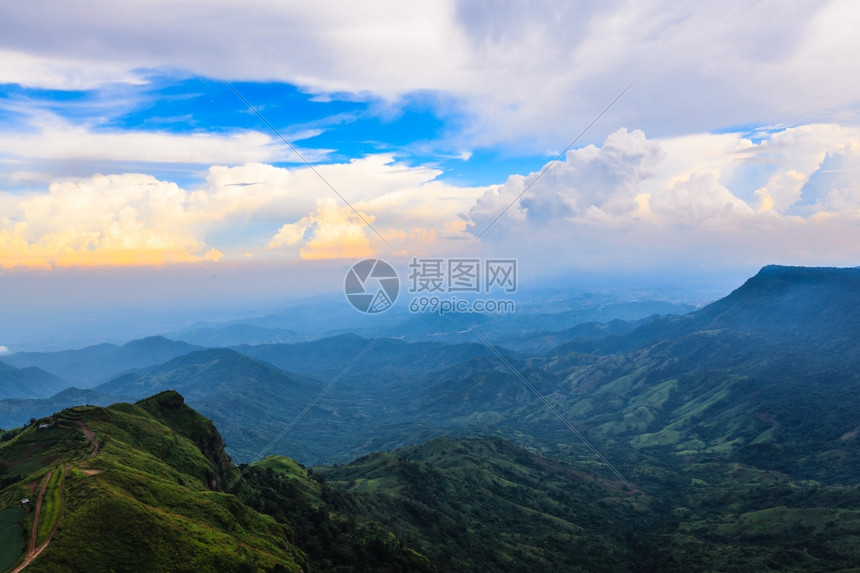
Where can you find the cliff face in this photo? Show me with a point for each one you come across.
(169, 408)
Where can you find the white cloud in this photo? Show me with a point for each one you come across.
(62, 73)
(694, 198)
(106, 220)
(4, 350)
(833, 187)
(136, 219)
(591, 182)
(700, 200)
(530, 74)
(330, 232)
(663, 196)
(57, 140)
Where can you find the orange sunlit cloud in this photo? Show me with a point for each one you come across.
(119, 220)
(329, 232)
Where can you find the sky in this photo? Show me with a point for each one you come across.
(191, 154)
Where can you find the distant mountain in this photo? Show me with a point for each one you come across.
(709, 383)
(387, 361)
(202, 373)
(249, 399)
(28, 382)
(236, 334)
(316, 317)
(546, 341)
(524, 329)
(14, 413)
(316, 320)
(769, 374)
(786, 305)
(89, 366)
(768, 390)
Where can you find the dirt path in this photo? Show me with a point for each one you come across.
(39, 512)
(32, 552)
(91, 436)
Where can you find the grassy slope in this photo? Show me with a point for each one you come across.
(144, 503)
(152, 500)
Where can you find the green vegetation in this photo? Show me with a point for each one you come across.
(485, 505)
(52, 503)
(144, 496)
(151, 500)
(327, 523)
(11, 536)
(120, 520)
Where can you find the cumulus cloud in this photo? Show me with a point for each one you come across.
(409, 207)
(630, 192)
(787, 160)
(604, 179)
(127, 219)
(590, 183)
(786, 197)
(833, 187)
(330, 232)
(252, 210)
(698, 200)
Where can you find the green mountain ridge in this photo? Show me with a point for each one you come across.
(151, 497)
(145, 501)
(237, 391)
(390, 361)
(450, 497)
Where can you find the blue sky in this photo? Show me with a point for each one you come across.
(419, 128)
(122, 146)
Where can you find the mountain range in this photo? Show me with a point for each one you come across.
(149, 487)
(88, 366)
(722, 439)
(674, 382)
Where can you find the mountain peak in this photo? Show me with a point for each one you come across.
(800, 274)
(792, 298)
(155, 342)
